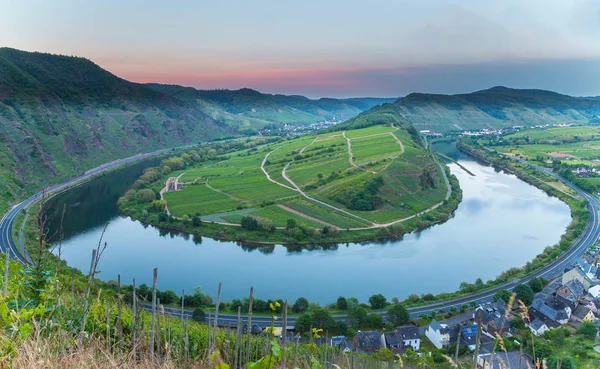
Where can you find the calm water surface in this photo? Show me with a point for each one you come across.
(502, 222)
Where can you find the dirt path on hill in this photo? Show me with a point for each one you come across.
(303, 215)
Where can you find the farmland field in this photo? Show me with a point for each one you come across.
(386, 181)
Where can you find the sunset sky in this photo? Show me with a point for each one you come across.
(324, 47)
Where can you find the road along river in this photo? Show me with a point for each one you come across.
(502, 222)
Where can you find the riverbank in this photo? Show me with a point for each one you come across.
(579, 211)
(296, 232)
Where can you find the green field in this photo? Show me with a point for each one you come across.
(371, 149)
(390, 184)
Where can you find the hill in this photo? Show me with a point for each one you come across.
(370, 183)
(496, 107)
(249, 110)
(60, 115)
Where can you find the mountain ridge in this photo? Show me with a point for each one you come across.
(496, 107)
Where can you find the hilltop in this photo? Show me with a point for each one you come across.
(335, 187)
(249, 110)
(496, 107)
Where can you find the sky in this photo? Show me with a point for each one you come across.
(337, 48)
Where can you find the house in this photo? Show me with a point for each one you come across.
(492, 317)
(572, 288)
(588, 268)
(438, 334)
(577, 273)
(538, 327)
(468, 336)
(367, 341)
(594, 291)
(582, 314)
(551, 308)
(402, 338)
(511, 359)
(342, 343)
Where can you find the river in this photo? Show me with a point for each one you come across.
(502, 222)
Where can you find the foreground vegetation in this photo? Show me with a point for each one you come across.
(250, 191)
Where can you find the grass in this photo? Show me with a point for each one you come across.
(228, 187)
(199, 199)
(375, 148)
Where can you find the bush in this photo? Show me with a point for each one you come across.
(198, 315)
(145, 195)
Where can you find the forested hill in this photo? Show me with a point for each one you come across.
(496, 107)
(249, 110)
(60, 115)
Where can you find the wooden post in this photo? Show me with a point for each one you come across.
(457, 345)
(284, 332)
(135, 322)
(152, 337)
(237, 338)
(181, 320)
(249, 326)
(119, 318)
(214, 340)
(158, 329)
(86, 303)
(558, 362)
(477, 339)
(187, 343)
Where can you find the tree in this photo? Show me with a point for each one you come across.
(198, 315)
(145, 195)
(322, 319)
(566, 363)
(260, 305)
(502, 295)
(342, 303)
(587, 330)
(303, 323)
(301, 305)
(352, 303)
(374, 320)
(168, 297)
(290, 224)
(537, 284)
(377, 301)
(357, 316)
(478, 283)
(398, 314)
(249, 223)
(524, 293)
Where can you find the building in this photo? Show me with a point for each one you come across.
(573, 288)
(594, 291)
(582, 314)
(538, 327)
(492, 317)
(402, 338)
(367, 341)
(502, 360)
(342, 343)
(468, 336)
(550, 309)
(438, 334)
(578, 274)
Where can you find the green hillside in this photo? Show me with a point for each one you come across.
(369, 183)
(61, 115)
(493, 108)
(248, 110)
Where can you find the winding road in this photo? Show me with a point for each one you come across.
(7, 243)
(585, 241)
